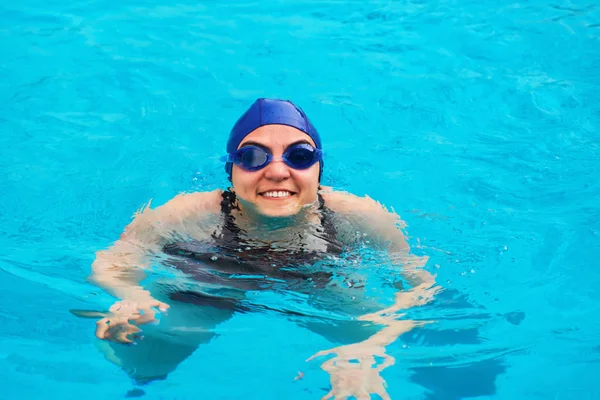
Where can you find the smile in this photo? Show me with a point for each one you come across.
(277, 194)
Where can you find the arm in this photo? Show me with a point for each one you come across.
(354, 370)
(120, 268)
(384, 230)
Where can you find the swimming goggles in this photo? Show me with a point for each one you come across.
(253, 158)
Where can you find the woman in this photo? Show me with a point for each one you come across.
(275, 215)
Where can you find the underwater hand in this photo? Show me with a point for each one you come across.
(119, 322)
(354, 372)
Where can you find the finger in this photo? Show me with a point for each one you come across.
(319, 354)
(161, 306)
(328, 396)
(329, 365)
(111, 327)
(147, 315)
(383, 394)
(388, 361)
(436, 289)
(343, 394)
(122, 335)
(101, 327)
(364, 395)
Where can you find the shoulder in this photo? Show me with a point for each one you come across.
(209, 202)
(181, 207)
(348, 203)
(367, 215)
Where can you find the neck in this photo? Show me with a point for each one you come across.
(249, 218)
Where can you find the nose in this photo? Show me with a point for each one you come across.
(277, 171)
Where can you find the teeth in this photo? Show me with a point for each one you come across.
(277, 194)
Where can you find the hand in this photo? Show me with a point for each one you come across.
(354, 371)
(117, 325)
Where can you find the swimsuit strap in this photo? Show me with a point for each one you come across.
(228, 203)
(326, 222)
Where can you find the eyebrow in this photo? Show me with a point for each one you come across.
(251, 143)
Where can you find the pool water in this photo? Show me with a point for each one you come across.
(477, 122)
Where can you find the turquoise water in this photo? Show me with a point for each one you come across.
(478, 123)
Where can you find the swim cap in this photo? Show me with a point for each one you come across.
(269, 112)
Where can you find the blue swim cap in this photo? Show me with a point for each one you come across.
(268, 112)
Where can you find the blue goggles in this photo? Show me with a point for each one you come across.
(253, 158)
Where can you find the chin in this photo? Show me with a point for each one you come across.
(279, 211)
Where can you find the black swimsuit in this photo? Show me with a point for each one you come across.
(228, 255)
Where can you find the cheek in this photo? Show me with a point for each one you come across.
(308, 179)
(314, 173)
(242, 180)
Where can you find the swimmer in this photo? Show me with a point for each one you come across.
(275, 214)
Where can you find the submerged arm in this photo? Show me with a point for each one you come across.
(383, 229)
(354, 370)
(120, 269)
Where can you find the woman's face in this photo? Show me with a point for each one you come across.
(277, 190)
